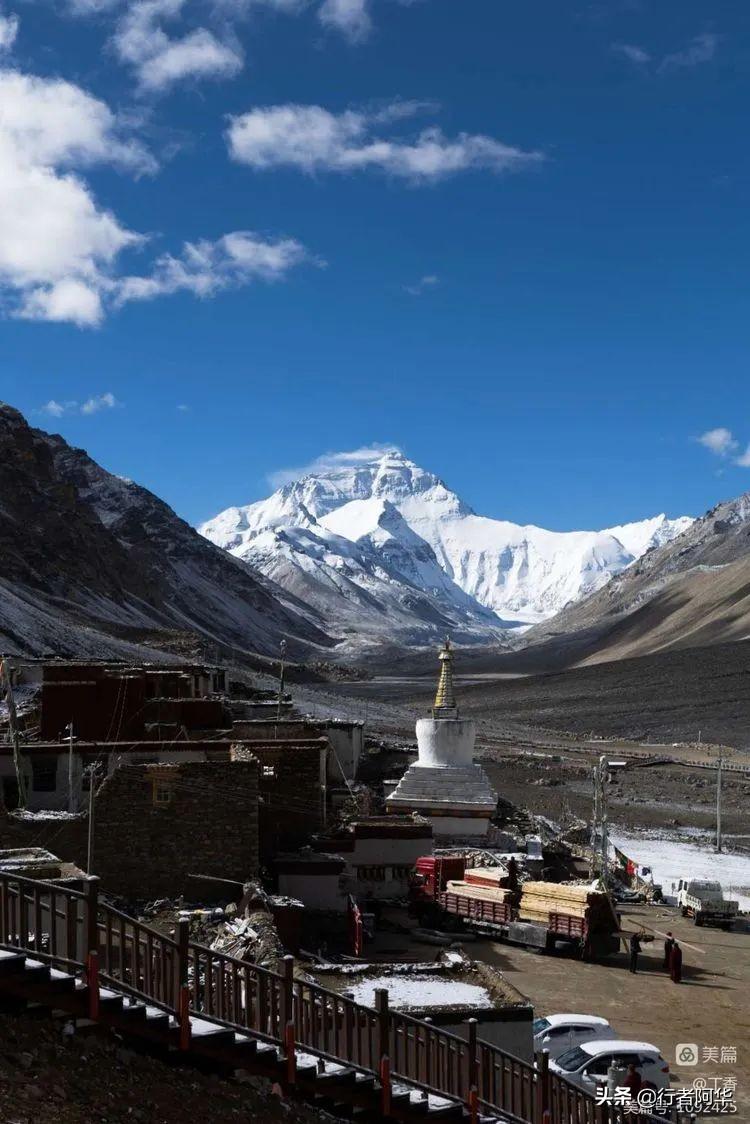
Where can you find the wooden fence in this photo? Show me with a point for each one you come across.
(73, 930)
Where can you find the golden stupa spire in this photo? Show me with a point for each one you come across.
(445, 700)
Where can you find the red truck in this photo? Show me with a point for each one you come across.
(436, 906)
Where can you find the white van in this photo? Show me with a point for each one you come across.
(559, 1033)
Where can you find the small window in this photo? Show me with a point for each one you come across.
(10, 793)
(163, 793)
(44, 773)
(268, 771)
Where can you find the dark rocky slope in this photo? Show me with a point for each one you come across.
(92, 564)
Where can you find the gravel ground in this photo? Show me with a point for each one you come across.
(93, 1078)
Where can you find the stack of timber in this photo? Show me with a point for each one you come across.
(495, 877)
(540, 899)
(481, 893)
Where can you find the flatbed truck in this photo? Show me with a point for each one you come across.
(436, 906)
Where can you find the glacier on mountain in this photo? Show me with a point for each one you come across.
(384, 534)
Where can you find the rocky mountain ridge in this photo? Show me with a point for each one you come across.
(96, 565)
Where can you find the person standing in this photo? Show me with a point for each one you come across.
(675, 963)
(633, 1082)
(669, 944)
(635, 948)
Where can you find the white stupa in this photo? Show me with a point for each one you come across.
(445, 784)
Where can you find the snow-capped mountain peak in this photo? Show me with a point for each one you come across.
(409, 529)
(639, 537)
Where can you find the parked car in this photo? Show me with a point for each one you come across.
(559, 1033)
(587, 1065)
(624, 894)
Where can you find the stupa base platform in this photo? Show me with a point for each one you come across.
(457, 801)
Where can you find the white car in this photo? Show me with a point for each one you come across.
(587, 1065)
(559, 1033)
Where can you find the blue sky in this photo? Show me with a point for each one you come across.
(509, 238)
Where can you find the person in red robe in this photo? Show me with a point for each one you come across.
(668, 946)
(675, 963)
(633, 1082)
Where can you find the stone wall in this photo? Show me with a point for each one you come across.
(291, 787)
(156, 824)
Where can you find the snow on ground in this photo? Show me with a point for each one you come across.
(422, 991)
(672, 859)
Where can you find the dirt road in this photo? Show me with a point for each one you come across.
(710, 1008)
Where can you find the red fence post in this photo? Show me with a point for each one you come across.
(92, 982)
(181, 981)
(385, 1085)
(384, 1052)
(542, 1107)
(287, 1020)
(91, 949)
(291, 1054)
(472, 1053)
(384, 1018)
(473, 1103)
(91, 930)
(183, 1016)
(287, 992)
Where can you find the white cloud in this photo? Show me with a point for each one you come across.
(59, 248)
(312, 139)
(57, 409)
(90, 7)
(351, 17)
(50, 122)
(428, 281)
(330, 461)
(182, 408)
(99, 402)
(699, 50)
(8, 32)
(93, 405)
(68, 300)
(719, 441)
(160, 61)
(722, 443)
(57, 244)
(632, 52)
(204, 267)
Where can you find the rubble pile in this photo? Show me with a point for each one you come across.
(249, 932)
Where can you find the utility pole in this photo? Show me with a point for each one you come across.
(91, 772)
(604, 772)
(282, 658)
(600, 824)
(71, 801)
(13, 727)
(718, 802)
(603, 763)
